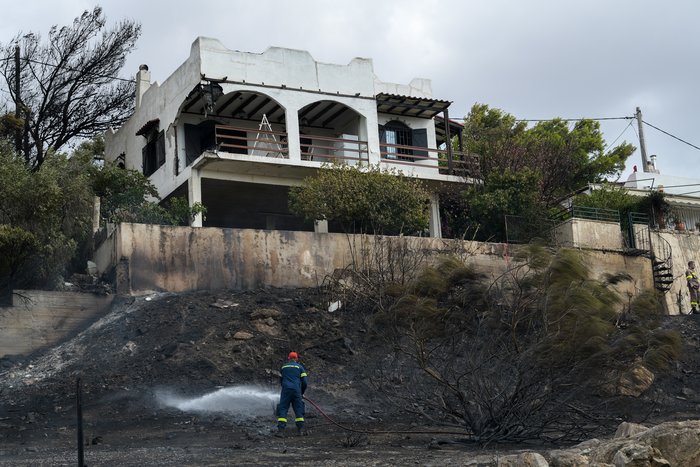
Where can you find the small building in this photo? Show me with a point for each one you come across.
(682, 193)
(234, 130)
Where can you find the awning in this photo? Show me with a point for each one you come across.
(410, 106)
(148, 126)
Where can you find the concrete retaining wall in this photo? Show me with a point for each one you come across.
(44, 318)
(587, 233)
(177, 259)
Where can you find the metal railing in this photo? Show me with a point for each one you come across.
(239, 140)
(585, 212)
(325, 148)
(464, 164)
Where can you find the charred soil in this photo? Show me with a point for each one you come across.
(191, 344)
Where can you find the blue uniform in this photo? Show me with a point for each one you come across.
(293, 382)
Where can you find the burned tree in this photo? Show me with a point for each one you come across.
(69, 85)
(536, 355)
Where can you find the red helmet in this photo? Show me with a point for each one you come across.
(293, 356)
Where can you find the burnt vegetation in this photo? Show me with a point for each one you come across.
(541, 353)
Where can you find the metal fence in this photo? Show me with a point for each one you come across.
(585, 212)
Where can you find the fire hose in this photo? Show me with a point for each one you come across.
(375, 432)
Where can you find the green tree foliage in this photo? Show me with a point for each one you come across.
(502, 194)
(53, 204)
(618, 198)
(16, 247)
(129, 196)
(522, 357)
(363, 200)
(46, 214)
(68, 85)
(561, 157)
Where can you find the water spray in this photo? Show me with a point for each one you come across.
(245, 401)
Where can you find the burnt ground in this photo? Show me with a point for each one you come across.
(193, 344)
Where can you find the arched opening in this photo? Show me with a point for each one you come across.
(237, 122)
(332, 131)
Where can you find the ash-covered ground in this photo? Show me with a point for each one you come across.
(191, 379)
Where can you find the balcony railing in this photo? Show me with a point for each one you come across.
(327, 149)
(585, 212)
(238, 140)
(270, 143)
(462, 164)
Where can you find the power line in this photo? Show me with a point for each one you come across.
(38, 62)
(570, 119)
(672, 136)
(623, 132)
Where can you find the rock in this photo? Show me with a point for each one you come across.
(635, 381)
(639, 455)
(223, 304)
(227, 336)
(525, 459)
(262, 313)
(242, 336)
(677, 441)
(626, 430)
(671, 443)
(270, 321)
(568, 458)
(129, 347)
(266, 329)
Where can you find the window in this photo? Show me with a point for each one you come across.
(398, 133)
(153, 153)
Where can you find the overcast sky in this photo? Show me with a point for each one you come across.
(535, 59)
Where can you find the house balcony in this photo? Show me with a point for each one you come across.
(447, 162)
(269, 144)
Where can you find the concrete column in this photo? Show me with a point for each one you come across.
(95, 214)
(294, 144)
(362, 136)
(372, 130)
(194, 186)
(435, 227)
(321, 226)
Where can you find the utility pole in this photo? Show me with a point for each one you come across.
(18, 113)
(642, 147)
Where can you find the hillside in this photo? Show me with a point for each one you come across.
(152, 356)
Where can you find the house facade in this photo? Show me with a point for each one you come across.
(234, 130)
(682, 193)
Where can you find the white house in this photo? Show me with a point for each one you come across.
(681, 192)
(234, 130)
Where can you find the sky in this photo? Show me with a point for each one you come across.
(535, 59)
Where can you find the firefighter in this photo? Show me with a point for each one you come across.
(693, 286)
(293, 382)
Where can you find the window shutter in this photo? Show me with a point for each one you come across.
(160, 148)
(420, 139)
(193, 148)
(144, 160)
(382, 139)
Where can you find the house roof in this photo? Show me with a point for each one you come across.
(148, 126)
(410, 106)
